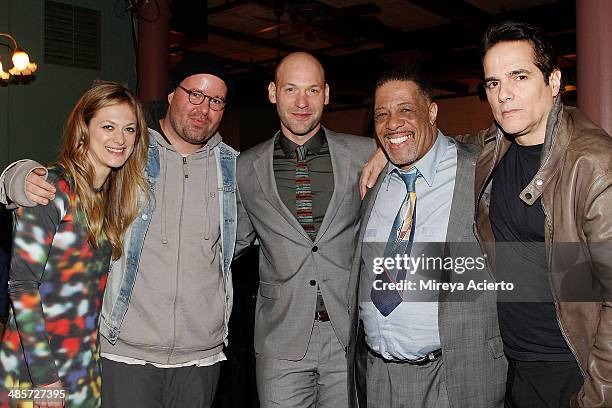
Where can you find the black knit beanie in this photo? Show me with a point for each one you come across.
(199, 63)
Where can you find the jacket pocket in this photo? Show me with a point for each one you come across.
(269, 290)
(496, 346)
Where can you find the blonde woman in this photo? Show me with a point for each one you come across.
(61, 252)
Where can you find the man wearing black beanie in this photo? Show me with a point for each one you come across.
(170, 346)
(168, 299)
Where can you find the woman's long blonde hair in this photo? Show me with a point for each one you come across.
(112, 210)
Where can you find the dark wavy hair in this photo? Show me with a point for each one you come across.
(543, 51)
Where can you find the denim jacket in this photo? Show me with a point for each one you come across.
(123, 271)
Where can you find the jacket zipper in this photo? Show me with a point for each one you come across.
(178, 268)
(549, 262)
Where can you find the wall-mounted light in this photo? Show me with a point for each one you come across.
(3, 75)
(21, 61)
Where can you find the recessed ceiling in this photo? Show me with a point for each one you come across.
(355, 39)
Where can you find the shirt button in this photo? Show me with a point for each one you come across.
(313, 282)
(315, 248)
(145, 217)
(539, 182)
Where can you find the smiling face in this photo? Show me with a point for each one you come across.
(519, 97)
(189, 126)
(300, 93)
(405, 122)
(112, 133)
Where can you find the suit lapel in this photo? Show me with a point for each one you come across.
(341, 158)
(265, 175)
(368, 202)
(462, 207)
(366, 210)
(458, 234)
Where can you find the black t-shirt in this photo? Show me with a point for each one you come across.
(529, 329)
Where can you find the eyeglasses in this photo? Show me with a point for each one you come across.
(197, 97)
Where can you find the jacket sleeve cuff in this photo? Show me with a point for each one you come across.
(13, 183)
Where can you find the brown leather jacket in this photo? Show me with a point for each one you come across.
(575, 185)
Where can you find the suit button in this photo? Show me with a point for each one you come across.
(313, 282)
(315, 248)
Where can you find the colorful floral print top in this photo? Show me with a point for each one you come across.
(56, 284)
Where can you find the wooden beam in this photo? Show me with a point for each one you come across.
(239, 36)
(456, 11)
(227, 6)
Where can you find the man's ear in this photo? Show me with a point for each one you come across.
(326, 94)
(554, 81)
(433, 112)
(272, 92)
(170, 97)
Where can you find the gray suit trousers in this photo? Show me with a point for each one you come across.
(316, 380)
(402, 385)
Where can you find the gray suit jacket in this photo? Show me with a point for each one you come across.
(472, 350)
(288, 259)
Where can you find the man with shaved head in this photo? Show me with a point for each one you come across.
(298, 194)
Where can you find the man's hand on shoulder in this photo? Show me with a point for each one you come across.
(37, 188)
(371, 171)
(23, 184)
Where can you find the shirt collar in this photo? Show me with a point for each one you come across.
(428, 164)
(313, 145)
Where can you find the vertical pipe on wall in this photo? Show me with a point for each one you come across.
(153, 48)
(594, 60)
